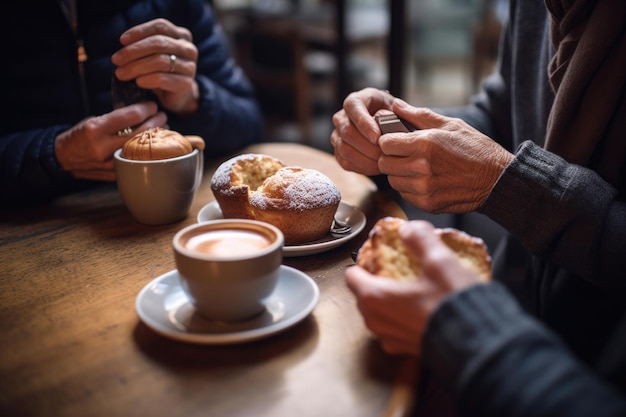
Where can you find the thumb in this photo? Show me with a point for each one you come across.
(439, 262)
(420, 117)
(436, 258)
(420, 238)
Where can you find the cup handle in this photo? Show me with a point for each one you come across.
(200, 167)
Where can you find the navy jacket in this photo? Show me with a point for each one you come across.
(41, 86)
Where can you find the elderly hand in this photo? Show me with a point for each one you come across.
(356, 133)
(161, 57)
(398, 312)
(446, 166)
(86, 150)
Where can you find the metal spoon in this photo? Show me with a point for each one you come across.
(340, 228)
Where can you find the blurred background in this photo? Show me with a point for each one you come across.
(305, 56)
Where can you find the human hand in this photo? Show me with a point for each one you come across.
(397, 312)
(146, 57)
(356, 133)
(445, 166)
(86, 150)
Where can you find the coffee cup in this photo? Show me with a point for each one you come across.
(228, 268)
(159, 191)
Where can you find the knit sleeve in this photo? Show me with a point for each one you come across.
(499, 361)
(562, 212)
(29, 171)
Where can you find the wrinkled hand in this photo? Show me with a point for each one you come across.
(145, 57)
(398, 312)
(86, 150)
(447, 166)
(356, 133)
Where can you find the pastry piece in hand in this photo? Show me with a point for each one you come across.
(385, 254)
(158, 143)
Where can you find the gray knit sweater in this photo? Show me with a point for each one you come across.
(564, 260)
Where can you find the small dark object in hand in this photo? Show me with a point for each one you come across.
(390, 123)
(125, 93)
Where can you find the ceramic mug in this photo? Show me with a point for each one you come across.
(159, 191)
(229, 267)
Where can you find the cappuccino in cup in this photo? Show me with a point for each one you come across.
(225, 243)
(228, 268)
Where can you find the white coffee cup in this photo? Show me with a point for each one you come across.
(229, 267)
(159, 191)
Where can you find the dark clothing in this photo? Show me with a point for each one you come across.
(564, 258)
(565, 254)
(42, 94)
(508, 364)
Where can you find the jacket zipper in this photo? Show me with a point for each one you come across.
(68, 7)
(81, 56)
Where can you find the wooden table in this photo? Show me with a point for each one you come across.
(72, 344)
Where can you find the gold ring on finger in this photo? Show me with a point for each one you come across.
(127, 131)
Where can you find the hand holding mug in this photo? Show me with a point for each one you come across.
(86, 150)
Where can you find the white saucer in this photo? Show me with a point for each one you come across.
(163, 306)
(346, 213)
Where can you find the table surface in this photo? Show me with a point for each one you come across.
(73, 345)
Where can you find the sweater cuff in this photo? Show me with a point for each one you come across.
(533, 178)
(540, 196)
(469, 327)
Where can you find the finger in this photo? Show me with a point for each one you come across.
(361, 105)
(158, 120)
(419, 235)
(351, 159)
(121, 136)
(416, 189)
(152, 28)
(405, 167)
(166, 63)
(362, 120)
(164, 81)
(351, 135)
(420, 117)
(374, 290)
(132, 115)
(358, 280)
(153, 52)
(436, 257)
(415, 143)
